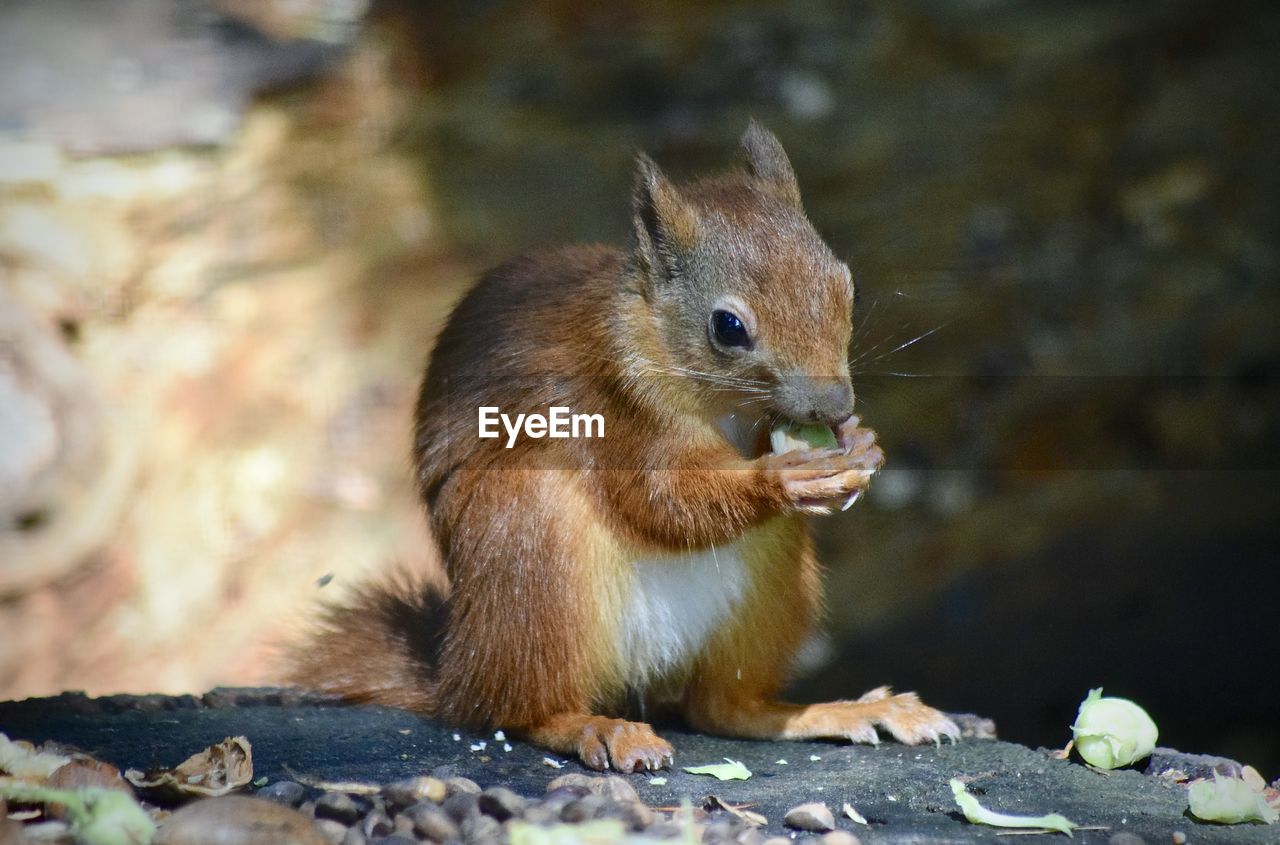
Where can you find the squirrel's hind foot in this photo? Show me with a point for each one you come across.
(904, 716)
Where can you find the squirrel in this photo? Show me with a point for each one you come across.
(668, 563)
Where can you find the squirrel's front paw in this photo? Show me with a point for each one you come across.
(626, 746)
(817, 481)
(856, 440)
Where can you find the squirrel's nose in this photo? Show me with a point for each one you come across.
(832, 403)
(805, 398)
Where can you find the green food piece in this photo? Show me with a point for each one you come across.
(98, 816)
(728, 770)
(1112, 732)
(1229, 800)
(978, 814)
(790, 437)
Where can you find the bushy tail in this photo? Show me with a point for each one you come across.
(380, 647)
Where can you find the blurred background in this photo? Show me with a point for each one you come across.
(229, 231)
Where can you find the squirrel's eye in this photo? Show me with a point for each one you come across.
(728, 329)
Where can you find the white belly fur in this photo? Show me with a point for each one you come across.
(673, 605)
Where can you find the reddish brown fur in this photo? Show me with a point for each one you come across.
(542, 542)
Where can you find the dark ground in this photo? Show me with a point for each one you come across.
(1083, 463)
(902, 791)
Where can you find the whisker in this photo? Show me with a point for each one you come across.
(866, 352)
(917, 339)
(716, 377)
(865, 360)
(866, 317)
(866, 355)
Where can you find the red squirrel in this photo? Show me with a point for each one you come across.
(669, 561)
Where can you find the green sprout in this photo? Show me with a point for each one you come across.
(1112, 732)
(1229, 800)
(978, 814)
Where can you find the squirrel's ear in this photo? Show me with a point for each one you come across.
(767, 161)
(666, 225)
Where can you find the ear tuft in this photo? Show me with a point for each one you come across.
(666, 225)
(768, 162)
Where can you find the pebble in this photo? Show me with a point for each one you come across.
(1179, 838)
(777, 840)
(751, 836)
(614, 788)
(86, 772)
(462, 806)
(582, 810)
(331, 831)
(573, 779)
(477, 828)
(393, 839)
(433, 822)
(501, 803)
(840, 837)
(815, 817)
(239, 819)
(723, 829)
(354, 836)
(377, 823)
(407, 792)
(284, 792)
(634, 814)
(1124, 837)
(561, 795)
(340, 807)
(461, 786)
(627, 813)
(541, 815)
(672, 830)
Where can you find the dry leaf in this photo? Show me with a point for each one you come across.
(218, 770)
(714, 802)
